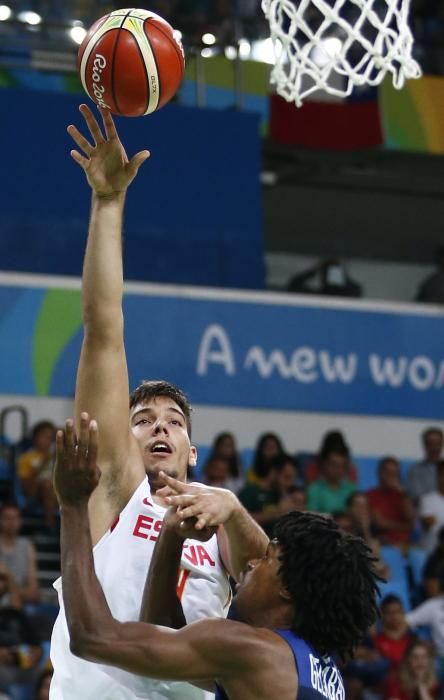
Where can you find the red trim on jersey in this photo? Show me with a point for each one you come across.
(114, 524)
(181, 581)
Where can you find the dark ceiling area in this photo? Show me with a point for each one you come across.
(376, 204)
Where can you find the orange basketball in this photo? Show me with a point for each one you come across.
(131, 62)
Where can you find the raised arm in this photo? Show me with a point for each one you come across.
(102, 377)
(204, 650)
(240, 538)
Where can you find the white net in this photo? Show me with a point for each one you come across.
(336, 45)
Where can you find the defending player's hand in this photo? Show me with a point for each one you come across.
(76, 473)
(105, 163)
(210, 506)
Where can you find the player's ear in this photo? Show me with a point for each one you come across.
(192, 459)
(284, 593)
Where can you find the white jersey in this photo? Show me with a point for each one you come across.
(121, 560)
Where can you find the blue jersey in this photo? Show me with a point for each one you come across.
(319, 676)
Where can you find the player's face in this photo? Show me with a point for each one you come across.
(260, 586)
(160, 428)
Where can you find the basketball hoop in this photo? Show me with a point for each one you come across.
(337, 45)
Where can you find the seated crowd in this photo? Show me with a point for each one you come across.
(401, 518)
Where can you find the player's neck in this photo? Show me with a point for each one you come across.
(274, 618)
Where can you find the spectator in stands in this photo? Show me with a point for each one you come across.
(430, 614)
(362, 526)
(421, 478)
(9, 592)
(288, 474)
(434, 568)
(34, 469)
(262, 499)
(415, 679)
(268, 447)
(379, 652)
(20, 650)
(329, 277)
(18, 553)
(216, 472)
(43, 683)
(431, 511)
(391, 509)
(224, 446)
(333, 440)
(330, 492)
(395, 636)
(291, 496)
(359, 512)
(431, 290)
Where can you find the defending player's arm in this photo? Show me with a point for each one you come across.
(102, 378)
(160, 603)
(204, 650)
(240, 538)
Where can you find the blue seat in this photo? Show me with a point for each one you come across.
(398, 588)
(395, 561)
(417, 559)
(367, 472)
(246, 455)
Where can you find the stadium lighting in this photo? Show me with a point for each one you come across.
(208, 39)
(77, 34)
(29, 17)
(5, 12)
(207, 53)
(244, 48)
(263, 50)
(326, 50)
(230, 53)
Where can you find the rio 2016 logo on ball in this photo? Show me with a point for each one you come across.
(131, 62)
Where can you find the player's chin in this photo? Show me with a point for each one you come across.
(167, 466)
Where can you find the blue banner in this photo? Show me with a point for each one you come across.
(193, 214)
(238, 351)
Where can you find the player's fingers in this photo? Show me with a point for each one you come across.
(70, 442)
(136, 161)
(81, 160)
(83, 443)
(80, 140)
(178, 486)
(202, 521)
(92, 123)
(60, 446)
(93, 444)
(165, 491)
(190, 511)
(108, 124)
(184, 500)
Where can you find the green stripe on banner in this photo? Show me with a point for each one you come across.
(411, 117)
(72, 83)
(6, 79)
(218, 71)
(58, 320)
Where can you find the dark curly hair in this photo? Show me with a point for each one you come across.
(331, 579)
(149, 390)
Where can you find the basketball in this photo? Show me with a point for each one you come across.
(131, 62)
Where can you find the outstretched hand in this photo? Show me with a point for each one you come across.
(105, 164)
(76, 473)
(209, 506)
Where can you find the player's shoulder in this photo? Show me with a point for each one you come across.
(242, 644)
